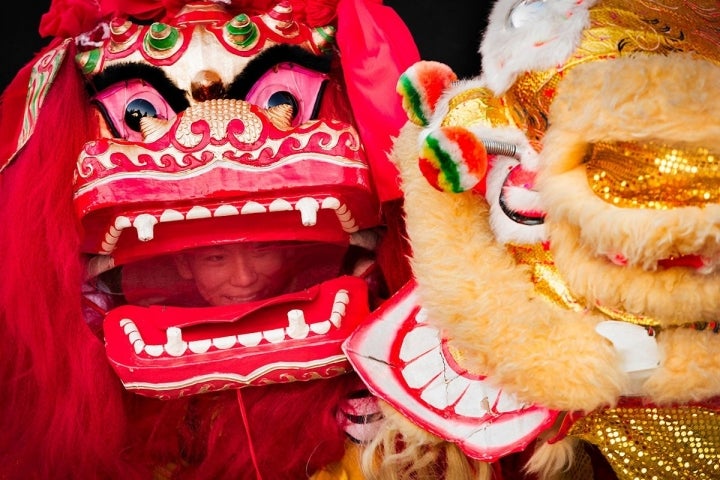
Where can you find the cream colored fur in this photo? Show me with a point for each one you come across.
(476, 293)
(420, 456)
(668, 99)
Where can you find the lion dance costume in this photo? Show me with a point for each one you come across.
(562, 208)
(149, 130)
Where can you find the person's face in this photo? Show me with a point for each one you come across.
(234, 273)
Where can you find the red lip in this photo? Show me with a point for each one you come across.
(170, 352)
(690, 261)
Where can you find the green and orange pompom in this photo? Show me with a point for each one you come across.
(454, 160)
(420, 87)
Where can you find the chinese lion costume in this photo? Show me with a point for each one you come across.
(562, 209)
(148, 131)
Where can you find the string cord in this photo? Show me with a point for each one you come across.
(243, 412)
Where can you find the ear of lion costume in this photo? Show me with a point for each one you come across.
(150, 130)
(562, 211)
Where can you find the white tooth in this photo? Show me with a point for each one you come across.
(171, 215)
(339, 308)
(134, 336)
(275, 335)
(252, 207)
(477, 399)
(144, 224)
(223, 343)
(226, 211)
(122, 222)
(154, 350)
(496, 435)
(199, 346)
(250, 339)
(423, 369)
(419, 341)
(331, 203)
(436, 393)
(175, 345)
(308, 211)
(455, 388)
(280, 205)
(342, 296)
(297, 328)
(128, 325)
(138, 346)
(336, 319)
(198, 212)
(321, 328)
(422, 316)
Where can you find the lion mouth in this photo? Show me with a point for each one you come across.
(699, 263)
(168, 352)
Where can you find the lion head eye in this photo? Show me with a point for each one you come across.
(524, 11)
(125, 103)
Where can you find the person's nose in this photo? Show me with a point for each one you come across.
(243, 272)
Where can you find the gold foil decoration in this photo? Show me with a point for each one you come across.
(545, 276)
(655, 443)
(477, 105)
(551, 286)
(653, 176)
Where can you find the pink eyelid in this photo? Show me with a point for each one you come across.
(303, 83)
(117, 97)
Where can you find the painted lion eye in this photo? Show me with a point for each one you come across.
(283, 98)
(524, 12)
(136, 110)
(290, 84)
(125, 103)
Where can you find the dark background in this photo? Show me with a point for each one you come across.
(447, 32)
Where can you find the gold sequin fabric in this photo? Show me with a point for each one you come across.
(654, 443)
(649, 175)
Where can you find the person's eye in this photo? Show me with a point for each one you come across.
(213, 258)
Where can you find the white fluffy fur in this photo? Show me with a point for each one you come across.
(548, 33)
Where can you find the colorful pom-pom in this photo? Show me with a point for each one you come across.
(420, 87)
(453, 159)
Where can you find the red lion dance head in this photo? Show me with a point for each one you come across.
(195, 203)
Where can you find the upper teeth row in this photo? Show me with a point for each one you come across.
(308, 207)
(297, 328)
